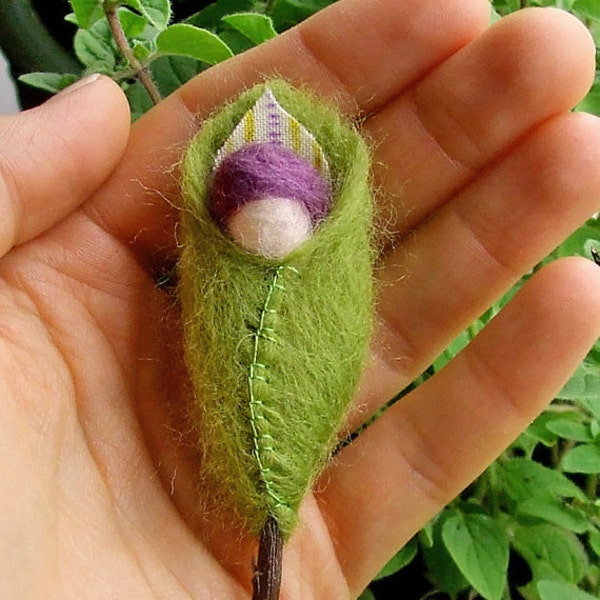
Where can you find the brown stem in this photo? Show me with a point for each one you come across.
(140, 71)
(267, 573)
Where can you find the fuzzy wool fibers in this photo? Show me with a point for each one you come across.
(274, 347)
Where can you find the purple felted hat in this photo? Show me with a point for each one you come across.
(267, 170)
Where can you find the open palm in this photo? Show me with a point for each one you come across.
(481, 171)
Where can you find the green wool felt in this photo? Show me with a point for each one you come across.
(275, 349)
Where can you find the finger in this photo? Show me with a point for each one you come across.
(428, 447)
(333, 53)
(477, 246)
(527, 68)
(330, 53)
(54, 156)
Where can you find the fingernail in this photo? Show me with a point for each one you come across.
(78, 85)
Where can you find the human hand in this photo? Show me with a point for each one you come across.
(482, 171)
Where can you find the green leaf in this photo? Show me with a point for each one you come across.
(591, 103)
(594, 539)
(426, 535)
(171, 72)
(480, 549)
(287, 13)
(584, 458)
(583, 385)
(593, 405)
(556, 590)
(257, 28)
(555, 511)
(400, 560)
(458, 344)
(540, 432)
(522, 479)
(187, 40)
(571, 428)
(87, 12)
(237, 42)
(589, 9)
(210, 16)
(49, 82)
(575, 244)
(367, 595)
(441, 568)
(133, 25)
(551, 552)
(139, 101)
(158, 12)
(93, 47)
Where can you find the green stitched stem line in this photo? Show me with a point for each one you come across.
(265, 333)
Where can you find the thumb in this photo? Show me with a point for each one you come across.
(54, 156)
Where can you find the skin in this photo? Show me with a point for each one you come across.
(481, 170)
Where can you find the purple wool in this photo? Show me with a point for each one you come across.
(264, 170)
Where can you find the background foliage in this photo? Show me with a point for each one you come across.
(529, 527)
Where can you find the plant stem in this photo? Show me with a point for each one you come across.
(140, 71)
(267, 574)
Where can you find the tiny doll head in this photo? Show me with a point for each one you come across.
(268, 198)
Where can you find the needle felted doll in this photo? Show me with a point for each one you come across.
(277, 299)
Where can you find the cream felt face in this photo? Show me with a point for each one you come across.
(271, 227)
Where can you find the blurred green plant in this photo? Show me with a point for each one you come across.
(529, 527)
(136, 43)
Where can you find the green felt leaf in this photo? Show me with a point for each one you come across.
(86, 11)
(158, 12)
(523, 479)
(49, 82)
(557, 590)
(268, 401)
(551, 552)
(400, 560)
(367, 595)
(257, 28)
(584, 458)
(479, 547)
(187, 40)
